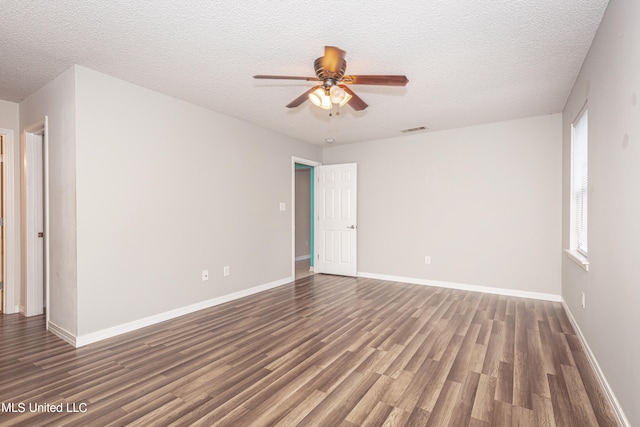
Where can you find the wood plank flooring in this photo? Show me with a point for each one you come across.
(322, 351)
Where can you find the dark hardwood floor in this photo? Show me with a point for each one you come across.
(323, 351)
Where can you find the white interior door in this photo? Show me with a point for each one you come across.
(337, 228)
(34, 225)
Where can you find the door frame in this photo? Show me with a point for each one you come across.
(8, 181)
(40, 127)
(313, 164)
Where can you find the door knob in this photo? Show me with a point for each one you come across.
(351, 227)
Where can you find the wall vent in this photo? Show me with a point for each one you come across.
(414, 129)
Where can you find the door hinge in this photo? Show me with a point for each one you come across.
(1, 222)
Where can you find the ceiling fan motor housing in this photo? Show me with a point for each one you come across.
(325, 75)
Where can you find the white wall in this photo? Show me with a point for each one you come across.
(610, 82)
(9, 117)
(56, 100)
(9, 120)
(484, 202)
(167, 189)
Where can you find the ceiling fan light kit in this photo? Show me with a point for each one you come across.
(339, 96)
(327, 98)
(333, 91)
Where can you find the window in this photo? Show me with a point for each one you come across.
(579, 188)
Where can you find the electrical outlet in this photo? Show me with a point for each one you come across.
(205, 275)
(427, 259)
(584, 300)
(226, 271)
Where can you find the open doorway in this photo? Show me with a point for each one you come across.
(304, 230)
(333, 237)
(302, 218)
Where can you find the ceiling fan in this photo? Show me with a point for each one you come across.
(333, 90)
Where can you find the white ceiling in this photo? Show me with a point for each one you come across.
(468, 61)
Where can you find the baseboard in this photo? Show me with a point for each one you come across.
(93, 337)
(62, 333)
(303, 257)
(464, 287)
(613, 401)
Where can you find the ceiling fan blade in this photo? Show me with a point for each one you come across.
(379, 80)
(355, 102)
(299, 100)
(309, 79)
(332, 58)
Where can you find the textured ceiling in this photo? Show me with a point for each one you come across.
(468, 61)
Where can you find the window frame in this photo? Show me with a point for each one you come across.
(579, 189)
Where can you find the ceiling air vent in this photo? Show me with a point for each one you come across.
(418, 129)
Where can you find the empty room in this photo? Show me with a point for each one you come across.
(319, 213)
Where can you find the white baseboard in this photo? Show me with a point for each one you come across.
(464, 287)
(93, 337)
(62, 333)
(613, 401)
(303, 257)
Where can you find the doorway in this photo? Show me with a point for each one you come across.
(304, 224)
(303, 245)
(334, 222)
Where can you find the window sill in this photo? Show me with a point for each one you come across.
(578, 258)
